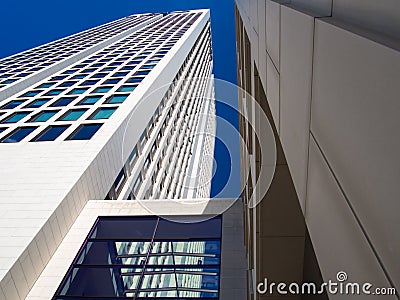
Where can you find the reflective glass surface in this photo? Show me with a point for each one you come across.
(146, 258)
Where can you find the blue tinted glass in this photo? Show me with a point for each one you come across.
(31, 94)
(37, 103)
(80, 76)
(54, 92)
(2, 130)
(120, 74)
(89, 82)
(85, 132)
(58, 78)
(68, 83)
(63, 102)
(12, 104)
(99, 75)
(148, 67)
(134, 80)
(9, 81)
(90, 100)
(117, 99)
(18, 135)
(77, 91)
(73, 115)
(51, 133)
(127, 88)
(43, 116)
(69, 72)
(112, 81)
(45, 85)
(16, 117)
(190, 262)
(102, 90)
(103, 113)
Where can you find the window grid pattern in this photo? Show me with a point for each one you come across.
(175, 119)
(16, 67)
(160, 259)
(104, 79)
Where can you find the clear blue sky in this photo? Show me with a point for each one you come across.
(27, 24)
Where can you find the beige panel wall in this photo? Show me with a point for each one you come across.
(340, 74)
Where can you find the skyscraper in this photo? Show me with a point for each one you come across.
(120, 112)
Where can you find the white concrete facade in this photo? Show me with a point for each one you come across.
(331, 71)
(45, 185)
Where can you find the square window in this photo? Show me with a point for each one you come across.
(32, 93)
(72, 115)
(85, 132)
(8, 81)
(79, 76)
(135, 80)
(112, 81)
(116, 99)
(63, 101)
(149, 67)
(120, 74)
(43, 116)
(58, 78)
(50, 133)
(89, 70)
(89, 82)
(90, 100)
(67, 83)
(69, 72)
(127, 88)
(12, 104)
(78, 91)
(45, 85)
(18, 134)
(128, 68)
(103, 113)
(102, 89)
(142, 73)
(54, 92)
(37, 103)
(108, 69)
(15, 117)
(99, 75)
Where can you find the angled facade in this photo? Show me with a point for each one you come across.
(326, 74)
(90, 126)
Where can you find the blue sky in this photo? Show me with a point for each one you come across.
(27, 24)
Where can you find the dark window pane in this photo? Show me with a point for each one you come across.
(117, 99)
(85, 132)
(73, 115)
(63, 102)
(15, 117)
(90, 100)
(43, 116)
(51, 133)
(12, 104)
(18, 135)
(37, 103)
(103, 113)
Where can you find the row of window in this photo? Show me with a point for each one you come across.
(21, 65)
(83, 132)
(128, 167)
(90, 100)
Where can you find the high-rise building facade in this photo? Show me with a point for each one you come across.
(118, 113)
(326, 74)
